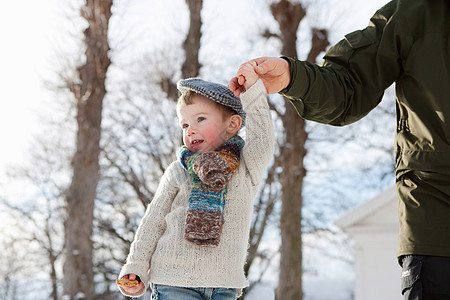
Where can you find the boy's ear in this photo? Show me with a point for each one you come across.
(234, 124)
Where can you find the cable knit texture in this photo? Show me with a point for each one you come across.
(160, 254)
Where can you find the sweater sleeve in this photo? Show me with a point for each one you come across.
(150, 229)
(355, 73)
(258, 150)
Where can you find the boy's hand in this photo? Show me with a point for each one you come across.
(246, 77)
(130, 283)
(273, 71)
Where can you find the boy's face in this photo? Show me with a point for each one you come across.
(203, 123)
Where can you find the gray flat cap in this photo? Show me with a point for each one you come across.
(214, 91)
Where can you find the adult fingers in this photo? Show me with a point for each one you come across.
(265, 65)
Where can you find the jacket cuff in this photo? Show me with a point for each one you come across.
(298, 86)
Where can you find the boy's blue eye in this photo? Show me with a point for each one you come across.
(184, 126)
(200, 119)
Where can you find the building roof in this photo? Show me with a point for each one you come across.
(378, 212)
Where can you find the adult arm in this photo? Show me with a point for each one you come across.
(355, 73)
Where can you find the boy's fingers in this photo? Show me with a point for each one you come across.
(233, 84)
(238, 91)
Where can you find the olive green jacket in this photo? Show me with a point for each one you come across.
(406, 42)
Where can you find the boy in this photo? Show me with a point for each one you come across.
(192, 241)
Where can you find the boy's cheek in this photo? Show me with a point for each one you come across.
(214, 136)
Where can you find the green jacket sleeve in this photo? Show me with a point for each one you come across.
(354, 75)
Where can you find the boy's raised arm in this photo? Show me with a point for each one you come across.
(258, 150)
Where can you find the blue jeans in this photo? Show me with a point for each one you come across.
(166, 292)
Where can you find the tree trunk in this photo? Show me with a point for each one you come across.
(319, 43)
(289, 15)
(78, 279)
(291, 179)
(191, 45)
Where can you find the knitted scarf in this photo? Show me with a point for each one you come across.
(210, 172)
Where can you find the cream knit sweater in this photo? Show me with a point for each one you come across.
(159, 253)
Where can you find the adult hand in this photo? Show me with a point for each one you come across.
(273, 71)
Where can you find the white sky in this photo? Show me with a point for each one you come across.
(25, 28)
(28, 33)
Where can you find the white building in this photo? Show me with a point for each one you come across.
(374, 228)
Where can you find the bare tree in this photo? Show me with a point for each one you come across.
(132, 159)
(89, 93)
(132, 163)
(191, 46)
(41, 228)
(39, 217)
(11, 267)
(292, 153)
(263, 210)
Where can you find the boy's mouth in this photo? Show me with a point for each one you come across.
(196, 143)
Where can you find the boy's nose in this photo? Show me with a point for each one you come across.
(190, 131)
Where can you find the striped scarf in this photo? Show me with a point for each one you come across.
(210, 172)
